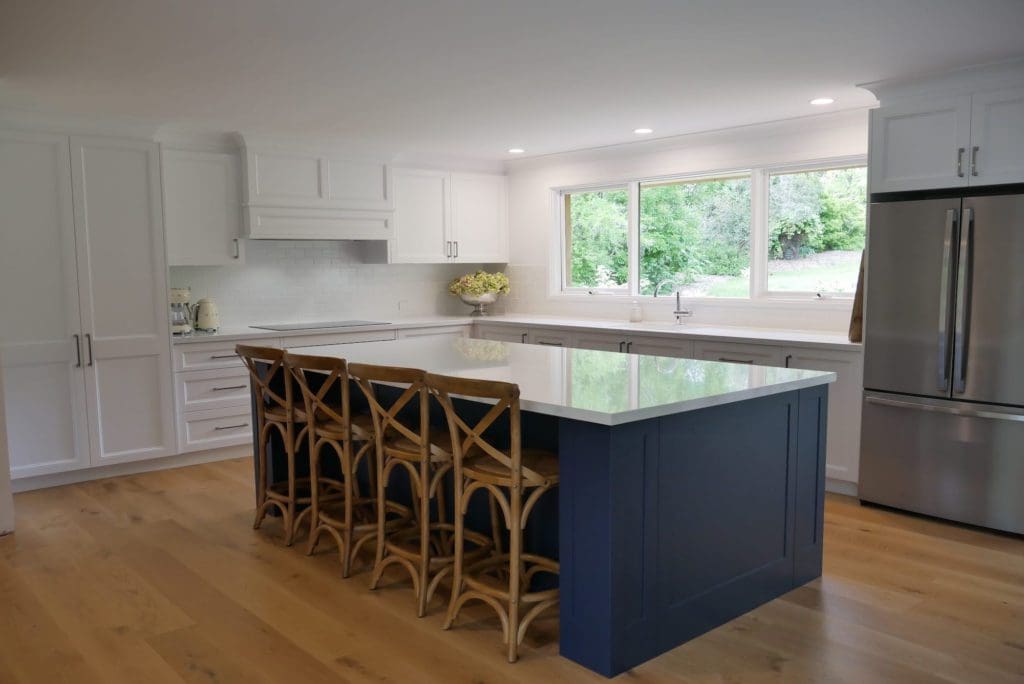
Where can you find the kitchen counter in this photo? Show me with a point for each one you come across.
(810, 338)
(247, 333)
(804, 338)
(582, 384)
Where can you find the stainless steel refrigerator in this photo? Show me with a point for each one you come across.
(943, 420)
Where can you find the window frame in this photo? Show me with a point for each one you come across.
(759, 231)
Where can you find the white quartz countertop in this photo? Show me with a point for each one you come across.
(804, 338)
(249, 333)
(826, 340)
(593, 386)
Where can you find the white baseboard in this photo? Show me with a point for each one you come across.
(57, 479)
(840, 486)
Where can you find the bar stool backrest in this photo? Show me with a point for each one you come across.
(263, 380)
(386, 420)
(466, 437)
(334, 375)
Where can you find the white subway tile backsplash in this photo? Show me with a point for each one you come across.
(317, 280)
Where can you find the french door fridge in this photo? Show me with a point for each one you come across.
(943, 420)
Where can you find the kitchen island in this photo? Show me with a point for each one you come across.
(690, 491)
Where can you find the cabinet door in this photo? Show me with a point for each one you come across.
(502, 333)
(612, 342)
(738, 352)
(201, 208)
(479, 218)
(44, 383)
(844, 405)
(123, 298)
(682, 349)
(997, 137)
(920, 143)
(422, 207)
(550, 338)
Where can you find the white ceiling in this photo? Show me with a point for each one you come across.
(470, 78)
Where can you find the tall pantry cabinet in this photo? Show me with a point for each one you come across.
(84, 340)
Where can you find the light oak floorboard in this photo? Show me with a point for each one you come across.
(159, 578)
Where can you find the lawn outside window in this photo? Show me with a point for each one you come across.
(792, 232)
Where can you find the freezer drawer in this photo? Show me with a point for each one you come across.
(954, 460)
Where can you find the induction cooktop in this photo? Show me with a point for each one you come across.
(315, 325)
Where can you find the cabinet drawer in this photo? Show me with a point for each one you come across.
(336, 338)
(195, 390)
(199, 430)
(209, 355)
(733, 352)
(445, 331)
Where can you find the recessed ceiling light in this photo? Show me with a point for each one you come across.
(643, 131)
(821, 101)
(516, 150)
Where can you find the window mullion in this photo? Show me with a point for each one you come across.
(758, 233)
(633, 231)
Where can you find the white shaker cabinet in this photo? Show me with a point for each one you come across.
(41, 334)
(444, 217)
(479, 218)
(87, 367)
(202, 207)
(123, 298)
(422, 217)
(920, 142)
(997, 137)
(842, 460)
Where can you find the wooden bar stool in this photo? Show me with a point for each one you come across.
(276, 410)
(406, 441)
(516, 478)
(349, 517)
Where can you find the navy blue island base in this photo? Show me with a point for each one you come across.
(668, 527)
(672, 526)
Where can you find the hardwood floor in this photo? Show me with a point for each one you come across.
(159, 578)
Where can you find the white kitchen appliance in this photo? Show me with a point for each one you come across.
(181, 311)
(207, 315)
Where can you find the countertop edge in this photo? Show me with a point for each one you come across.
(262, 334)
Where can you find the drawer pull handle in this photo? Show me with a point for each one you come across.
(230, 427)
(224, 356)
(726, 359)
(230, 387)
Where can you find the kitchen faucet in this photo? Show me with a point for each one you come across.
(681, 313)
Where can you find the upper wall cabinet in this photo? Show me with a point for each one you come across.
(202, 208)
(959, 130)
(318, 194)
(443, 217)
(920, 143)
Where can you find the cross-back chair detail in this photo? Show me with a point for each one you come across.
(406, 441)
(505, 474)
(324, 385)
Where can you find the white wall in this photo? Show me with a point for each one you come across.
(286, 280)
(533, 219)
(6, 500)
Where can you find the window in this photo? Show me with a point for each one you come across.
(816, 222)
(786, 232)
(597, 239)
(695, 237)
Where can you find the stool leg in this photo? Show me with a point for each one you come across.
(515, 571)
(453, 602)
(424, 569)
(346, 534)
(314, 494)
(381, 517)
(289, 534)
(261, 475)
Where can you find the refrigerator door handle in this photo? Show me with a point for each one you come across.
(945, 291)
(963, 302)
(969, 413)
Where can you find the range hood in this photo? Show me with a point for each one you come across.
(314, 192)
